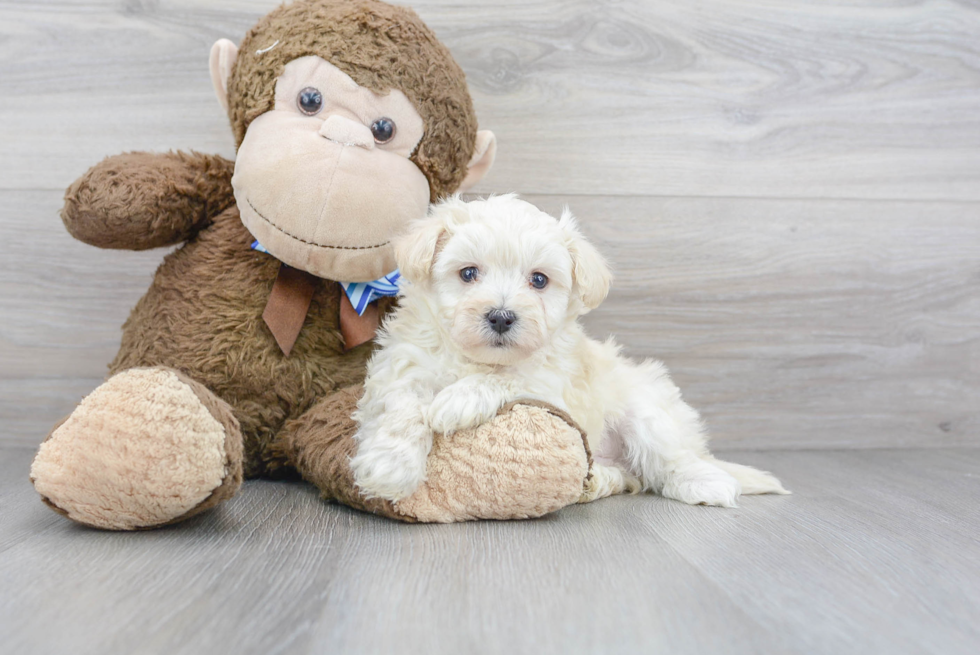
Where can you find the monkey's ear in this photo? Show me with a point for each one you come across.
(223, 56)
(482, 160)
(590, 273)
(415, 252)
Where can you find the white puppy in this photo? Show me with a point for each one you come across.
(491, 295)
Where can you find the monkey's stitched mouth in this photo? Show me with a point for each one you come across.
(310, 243)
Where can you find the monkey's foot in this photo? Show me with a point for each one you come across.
(148, 447)
(529, 460)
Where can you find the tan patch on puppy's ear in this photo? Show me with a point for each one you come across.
(482, 160)
(223, 56)
(590, 273)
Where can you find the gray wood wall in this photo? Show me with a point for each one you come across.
(789, 191)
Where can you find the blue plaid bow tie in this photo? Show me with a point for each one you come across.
(361, 294)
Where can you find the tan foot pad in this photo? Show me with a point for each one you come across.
(528, 461)
(140, 451)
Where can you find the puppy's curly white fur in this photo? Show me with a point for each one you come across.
(489, 310)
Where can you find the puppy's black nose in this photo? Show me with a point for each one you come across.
(501, 320)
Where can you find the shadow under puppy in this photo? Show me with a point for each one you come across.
(491, 295)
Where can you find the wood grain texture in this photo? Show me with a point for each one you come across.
(798, 323)
(857, 560)
(789, 323)
(867, 99)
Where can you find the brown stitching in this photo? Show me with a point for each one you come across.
(310, 243)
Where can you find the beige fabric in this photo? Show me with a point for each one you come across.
(220, 63)
(319, 194)
(343, 98)
(140, 450)
(529, 460)
(381, 47)
(482, 160)
(523, 464)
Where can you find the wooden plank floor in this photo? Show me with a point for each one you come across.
(877, 551)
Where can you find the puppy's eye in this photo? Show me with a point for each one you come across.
(383, 130)
(468, 274)
(309, 101)
(539, 280)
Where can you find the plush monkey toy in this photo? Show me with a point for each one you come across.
(245, 356)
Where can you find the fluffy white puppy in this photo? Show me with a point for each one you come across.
(491, 295)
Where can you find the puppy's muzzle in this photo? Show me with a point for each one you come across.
(501, 320)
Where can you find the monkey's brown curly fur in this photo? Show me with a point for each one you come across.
(216, 280)
(135, 201)
(202, 315)
(382, 47)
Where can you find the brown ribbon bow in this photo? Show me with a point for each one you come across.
(289, 303)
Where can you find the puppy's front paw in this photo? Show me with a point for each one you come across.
(463, 405)
(702, 484)
(388, 468)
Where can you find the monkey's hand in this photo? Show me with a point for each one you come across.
(139, 200)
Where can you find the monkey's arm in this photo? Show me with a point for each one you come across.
(140, 200)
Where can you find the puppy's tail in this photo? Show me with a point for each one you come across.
(753, 480)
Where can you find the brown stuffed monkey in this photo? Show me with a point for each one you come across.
(245, 356)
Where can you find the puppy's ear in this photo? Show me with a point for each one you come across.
(590, 273)
(415, 252)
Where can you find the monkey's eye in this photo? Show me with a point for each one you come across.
(383, 130)
(468, 274)
(309, 101)
(539, 280)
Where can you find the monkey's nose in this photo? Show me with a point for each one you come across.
(501, 320)
(347, 132)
